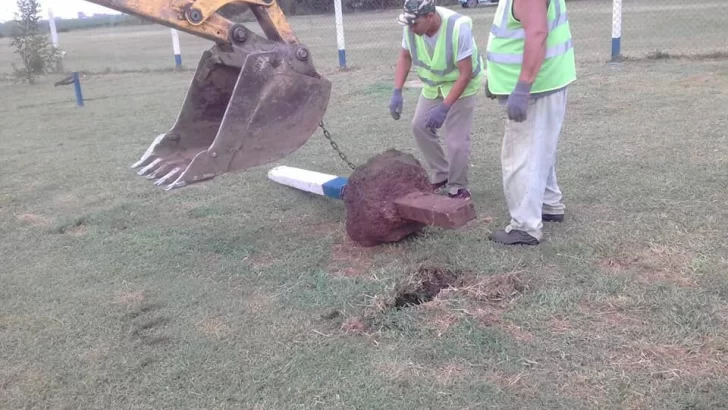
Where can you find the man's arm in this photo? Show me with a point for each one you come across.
(404, 62)
(533, 16)
(466, 73)
(465, 64)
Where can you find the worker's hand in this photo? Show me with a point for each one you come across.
(395, 104)
(436, 116)
(517, 105)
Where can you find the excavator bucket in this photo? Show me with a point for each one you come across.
(245, 107)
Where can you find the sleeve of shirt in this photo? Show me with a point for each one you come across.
(404, 38)
(465, 43)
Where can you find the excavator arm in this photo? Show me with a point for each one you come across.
(251, 101)
(200, 18)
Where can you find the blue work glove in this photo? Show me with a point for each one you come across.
(517, 105)
(395, 104)
(436, 116)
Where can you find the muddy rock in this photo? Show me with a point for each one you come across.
(371, 215)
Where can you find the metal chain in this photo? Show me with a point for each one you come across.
(335, 146)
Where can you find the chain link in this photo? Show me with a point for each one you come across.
(335, 146)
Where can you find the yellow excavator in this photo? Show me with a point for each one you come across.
(252, 100)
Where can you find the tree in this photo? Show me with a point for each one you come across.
(32, 43)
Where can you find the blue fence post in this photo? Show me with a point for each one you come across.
(77, 88)
(616, 29)
(176, 49)
(340, 34)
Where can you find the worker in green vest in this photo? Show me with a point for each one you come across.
(530, 63)
(439, 43)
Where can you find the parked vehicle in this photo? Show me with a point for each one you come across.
(475, 3)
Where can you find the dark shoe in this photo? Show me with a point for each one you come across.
(513, 238)
(552, 217)
(461, 194)
(438, 185)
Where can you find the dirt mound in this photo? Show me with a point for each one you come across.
(371, 215)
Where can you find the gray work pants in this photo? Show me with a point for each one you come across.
(452, 167)
(528, 160)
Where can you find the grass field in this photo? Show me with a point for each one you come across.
(240, 293)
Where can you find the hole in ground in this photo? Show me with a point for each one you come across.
(426, 283)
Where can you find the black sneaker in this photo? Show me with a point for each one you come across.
(552, 217)
(461, 194)
(513, 237)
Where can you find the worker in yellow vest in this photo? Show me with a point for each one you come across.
(530, 63)
(440, 44)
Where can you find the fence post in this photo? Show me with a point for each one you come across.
(54, 37)
(176, 49)
(77, 89)
(616, 29)
(52, 24)
(340, 34)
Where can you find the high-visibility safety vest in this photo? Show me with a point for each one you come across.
(506, 41)
(439, 72)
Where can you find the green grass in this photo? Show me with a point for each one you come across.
(241, 293)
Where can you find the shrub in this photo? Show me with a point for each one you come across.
(31, 43)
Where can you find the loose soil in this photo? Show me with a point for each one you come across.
(371, 215)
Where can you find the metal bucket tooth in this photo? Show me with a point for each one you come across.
(153, 152)
(170, 176)
(244, 108)
(151, 167)
(166, 167)
(177, 184)
(144, 161)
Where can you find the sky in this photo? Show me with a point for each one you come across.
(61, 8)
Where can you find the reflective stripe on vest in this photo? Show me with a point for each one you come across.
(450, 27)
(502, 30)
(553, 51)
(429, 82)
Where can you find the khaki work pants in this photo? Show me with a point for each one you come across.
(452, 167)
(528, 160)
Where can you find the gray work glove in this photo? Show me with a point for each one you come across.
(517, 105)
(436, 116)
(395, 103)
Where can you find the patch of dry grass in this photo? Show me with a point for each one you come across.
(35, 220)
(653, 264)
(708, 358)
(215, 327)
(131, 298)
(440, 377)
